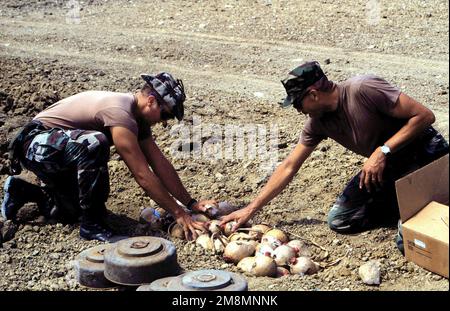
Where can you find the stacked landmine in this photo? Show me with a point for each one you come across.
(90, 267)
(133, 262)
(201, 280)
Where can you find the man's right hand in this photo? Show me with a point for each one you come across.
(240, 216)
(189, 226)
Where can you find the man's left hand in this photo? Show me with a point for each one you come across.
(372, 171)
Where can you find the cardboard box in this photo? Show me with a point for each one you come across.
(423, 203)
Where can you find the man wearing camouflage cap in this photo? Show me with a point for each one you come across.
(67, 147)
(370, 117)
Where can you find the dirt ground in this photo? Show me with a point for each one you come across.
(231, 56)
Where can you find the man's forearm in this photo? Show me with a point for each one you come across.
(154, 189)
(278, 181)
(282, 175)
(419, 117)
(169, 177)
(408, 132)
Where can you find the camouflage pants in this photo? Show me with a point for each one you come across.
(73, 165)
(357, 210)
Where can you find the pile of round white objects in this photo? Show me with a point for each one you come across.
(258, 250)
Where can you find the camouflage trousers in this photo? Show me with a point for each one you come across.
(73, 165)
(357, 210)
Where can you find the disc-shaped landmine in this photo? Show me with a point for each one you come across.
(208, 280)
(159, 285)
(89, 267)
(141, 260)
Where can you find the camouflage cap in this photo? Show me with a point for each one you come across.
(170, 91)
(298, 81)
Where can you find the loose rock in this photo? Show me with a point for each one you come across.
(9, 230)
(370, 273)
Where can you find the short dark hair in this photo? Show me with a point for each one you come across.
(146, 89)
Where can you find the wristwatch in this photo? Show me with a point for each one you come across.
(191, 203)
(386, 150)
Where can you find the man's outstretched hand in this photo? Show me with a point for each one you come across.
(189, 226)
(241, 217)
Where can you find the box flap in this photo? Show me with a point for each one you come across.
(429, 183)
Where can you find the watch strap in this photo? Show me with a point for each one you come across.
(191, 203)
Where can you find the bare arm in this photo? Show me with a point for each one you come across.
(164, 170)
(282, 176)
(167, 174)
(419, 117)
(127, 146)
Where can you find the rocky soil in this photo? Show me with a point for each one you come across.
(231, 56)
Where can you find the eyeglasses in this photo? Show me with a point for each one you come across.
(164, 114)
(298, 104)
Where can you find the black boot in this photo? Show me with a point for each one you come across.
(17, 192)
(65, 208)
(399, 239)
(95, 231)
(93, 226)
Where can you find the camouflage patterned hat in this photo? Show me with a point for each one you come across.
(298, 81)
(169, 90)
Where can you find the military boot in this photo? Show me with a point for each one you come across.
(17, 192)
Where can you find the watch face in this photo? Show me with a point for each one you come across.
(385, 149)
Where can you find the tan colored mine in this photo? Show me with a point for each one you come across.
(227, 230)
(205, 241)
(300, 247)
(304, 265)
(283, 255)
(281, 271)
(176, 231)
(277, 234)
(264, 266)
(246, 264)
(237, 250)
(258, 266)
(214, 226)
(219, 244)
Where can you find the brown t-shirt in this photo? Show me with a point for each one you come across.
(95, 110)
(363, 120)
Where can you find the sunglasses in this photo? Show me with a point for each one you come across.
(298, 104)
(164, 114)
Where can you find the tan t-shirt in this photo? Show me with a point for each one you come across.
(363, 120)
(95, 110)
